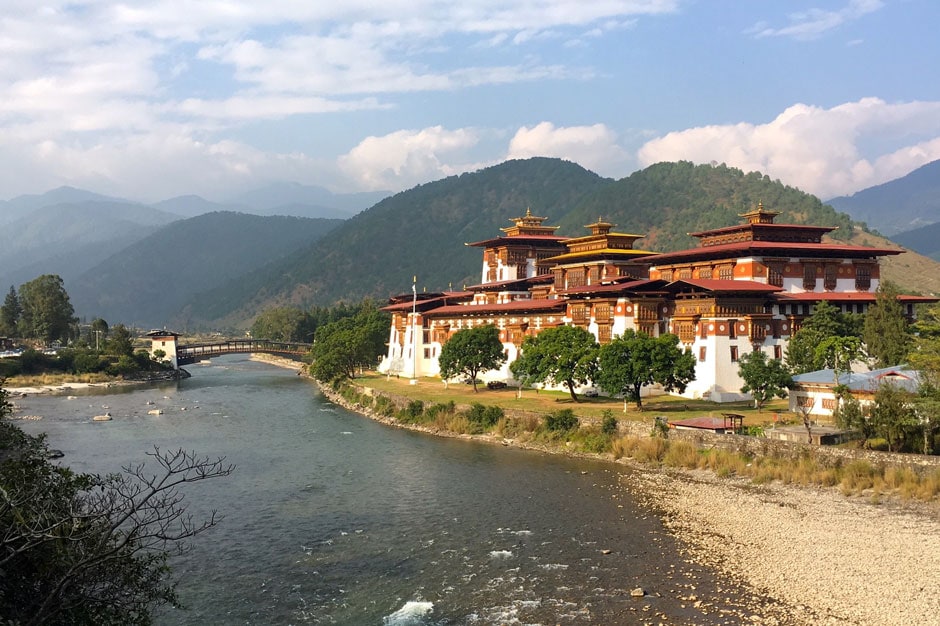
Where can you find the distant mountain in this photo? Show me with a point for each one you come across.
(148, 283)
(422, 231)
(190, 206)
(897, 206)
(269, 199)
(666, 201)
(67, 239)
(925, 240)
(21, 206)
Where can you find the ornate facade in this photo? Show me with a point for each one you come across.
(744, 287)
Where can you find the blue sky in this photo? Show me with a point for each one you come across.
(149, 100)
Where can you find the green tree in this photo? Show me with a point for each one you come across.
(10, 314)
(559, 355)
(886, 331)
(825, 322)
(121, 341)
(47, 312)
(348, 344)
(281, 324)
(924, 357)
(98, 332)
(633, 360)
(471, 351)
(88, 550)
(893, 416)
(764, 378)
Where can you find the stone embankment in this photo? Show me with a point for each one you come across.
(827, 558)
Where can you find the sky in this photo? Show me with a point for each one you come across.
(151, 100)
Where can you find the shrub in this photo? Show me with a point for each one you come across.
(562, 420)
(415, 409)
(384, 406)
(485, 416)
(593, 442)
(440, 409)
(609, 423)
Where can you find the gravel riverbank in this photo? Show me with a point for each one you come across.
(829, 558)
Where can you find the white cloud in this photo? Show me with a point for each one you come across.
(822, 151)
(812, 23)
(408, 157)
(595, 147)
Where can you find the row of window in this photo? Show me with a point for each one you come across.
(735, 353)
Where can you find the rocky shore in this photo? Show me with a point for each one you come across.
(830, 559)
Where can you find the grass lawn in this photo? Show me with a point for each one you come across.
(432, 391)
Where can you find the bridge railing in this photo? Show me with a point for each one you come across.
(190, 353)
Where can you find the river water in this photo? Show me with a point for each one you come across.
(331, 518)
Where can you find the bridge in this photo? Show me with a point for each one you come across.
(188, 354)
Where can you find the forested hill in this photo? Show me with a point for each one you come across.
(420, 232)
(149, 283)
(667, 201)
(423, 231)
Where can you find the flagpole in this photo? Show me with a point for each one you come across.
(414, 329)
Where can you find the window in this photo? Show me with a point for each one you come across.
(778, 353)
(726, 272)
(862, 277)
(805, 402)
(809, 276)
(829, 280)
(732, 329)
(705, 272)
(701, 353)
(685, 273)
(734, 354)
(575, 278)
(830, 404)
(775, 274)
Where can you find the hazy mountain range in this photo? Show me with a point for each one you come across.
(189, 263)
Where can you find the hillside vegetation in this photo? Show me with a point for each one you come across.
(149, 283)
(423, 231)
(417, 232)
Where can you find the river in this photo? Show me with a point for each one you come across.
(331, 518)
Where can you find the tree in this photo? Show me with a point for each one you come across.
(85, 549)
(471, 351)
(348, 344)
(47, 313)
(281, 324)
(10, 313)
(764, 378)
(886, 331)
(892, 415)
(633, 360)
(562, 354)
(925, 358)
(825, 322)
(99, 330)
(121, 342)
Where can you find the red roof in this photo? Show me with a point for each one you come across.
(742, 248)
(553, 239)
(855, 296)
(748, 226)
(405, 302)
(620, 285)
(516, 306)
(522, 282)
(718, 285)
